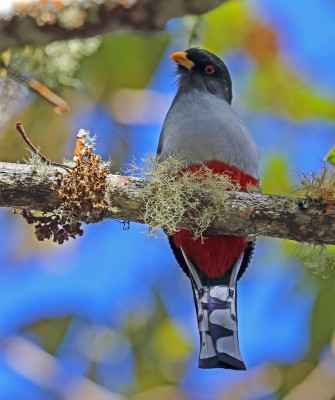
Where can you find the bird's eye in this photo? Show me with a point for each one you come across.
(209, 69)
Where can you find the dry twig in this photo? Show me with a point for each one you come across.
(35, 150)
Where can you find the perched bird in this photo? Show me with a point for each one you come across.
(202, 126)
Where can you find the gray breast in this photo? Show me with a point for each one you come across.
(202, 127)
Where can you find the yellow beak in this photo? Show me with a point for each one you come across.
(180, 57)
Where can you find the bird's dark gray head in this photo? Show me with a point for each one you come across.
(202, 70)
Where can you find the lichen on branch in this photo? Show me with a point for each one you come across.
(169, 197)
(320, 260)
(320, 186)
(170, 192)
(83, 193)
(84, 189)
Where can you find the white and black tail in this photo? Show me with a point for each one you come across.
(217, 318)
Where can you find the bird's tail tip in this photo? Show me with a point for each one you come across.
(217, 321)
(224, 361)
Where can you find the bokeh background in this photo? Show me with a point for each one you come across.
(110, 315)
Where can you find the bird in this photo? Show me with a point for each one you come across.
(205, 130)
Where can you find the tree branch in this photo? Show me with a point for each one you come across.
(244, 213)
(140, 16)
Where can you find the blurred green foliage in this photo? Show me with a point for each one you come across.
(276, 177)
(50, 332)
(159, 347)
(233, 27)
(331, 156)
(124, 61)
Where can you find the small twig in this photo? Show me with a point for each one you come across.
(20, 129)
(61, 106)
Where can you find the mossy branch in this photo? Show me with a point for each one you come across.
(38, 25)
(313, 221)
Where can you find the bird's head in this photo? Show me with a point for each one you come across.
(202, 70)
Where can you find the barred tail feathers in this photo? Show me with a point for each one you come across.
(217, 320)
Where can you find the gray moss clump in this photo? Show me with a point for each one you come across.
(171, 192)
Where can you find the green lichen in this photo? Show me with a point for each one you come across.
(320, 260)
(171, 192)
(41, 168)
(291, 205)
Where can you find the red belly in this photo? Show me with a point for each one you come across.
(215, 255)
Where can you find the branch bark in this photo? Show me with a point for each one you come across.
(245, 213)
(141, 16)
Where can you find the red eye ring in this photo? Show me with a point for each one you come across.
(209, 69)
